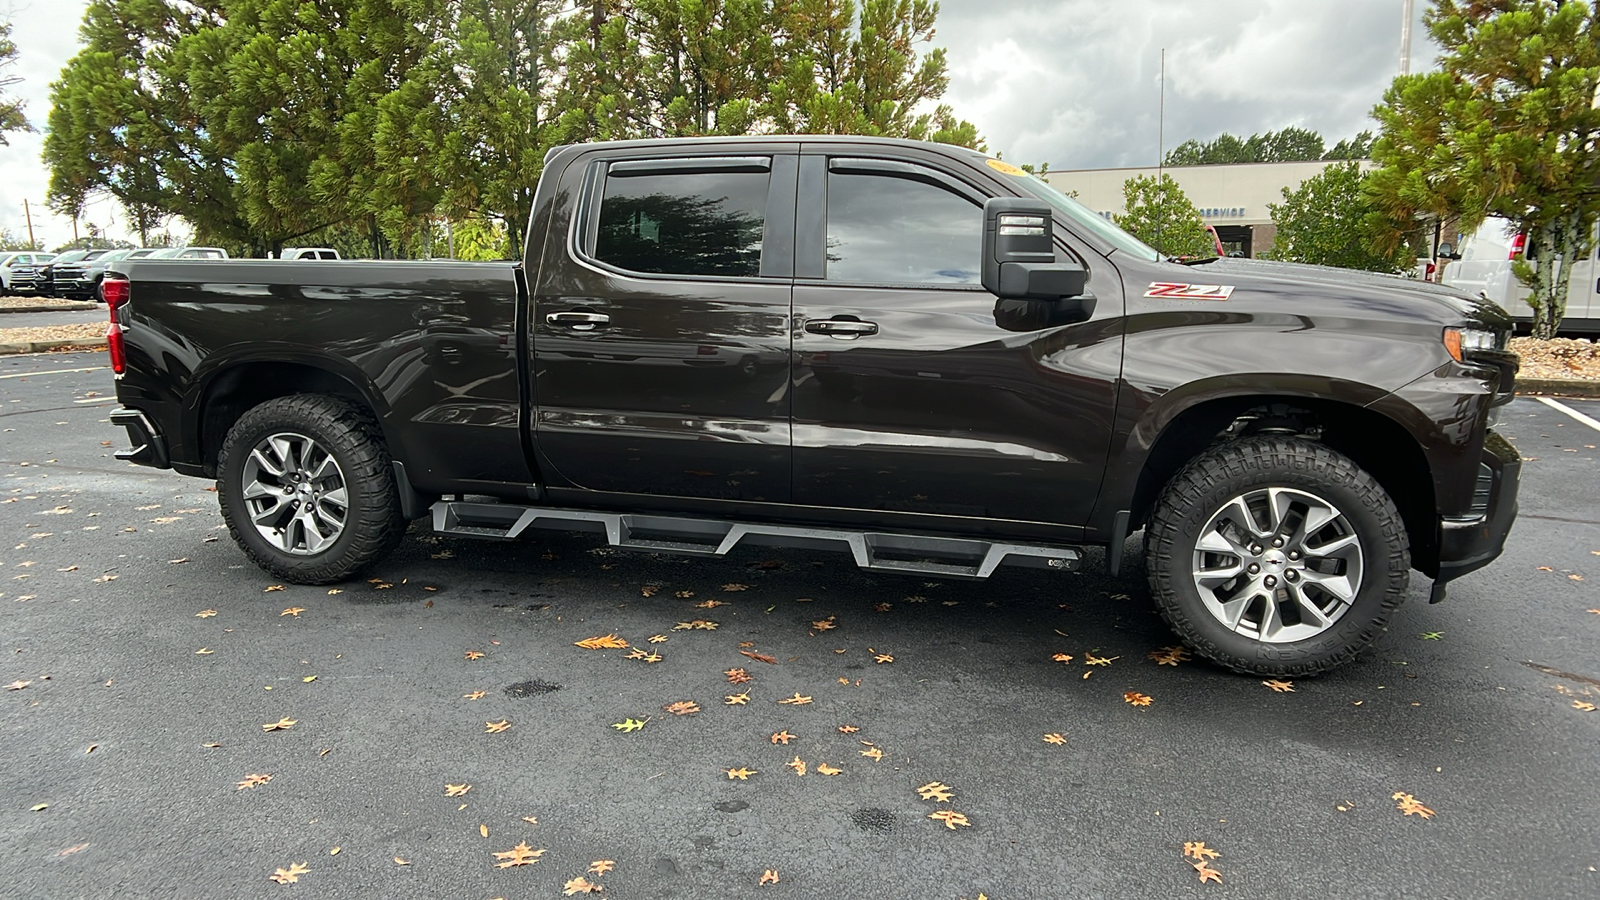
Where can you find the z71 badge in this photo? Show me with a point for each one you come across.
(1190, 291)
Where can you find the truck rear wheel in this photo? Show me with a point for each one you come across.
(307, 489)
(1274, 555)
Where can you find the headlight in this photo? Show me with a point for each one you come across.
(1465, 341)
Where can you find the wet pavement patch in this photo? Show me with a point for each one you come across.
(531, 688)
(873, 820)
(731, 806)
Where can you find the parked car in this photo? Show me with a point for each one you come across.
(190, 253)
(1482, 265)
(309, 253)
(26, 261)
(81, 281)
(922, 356)
(64, 268)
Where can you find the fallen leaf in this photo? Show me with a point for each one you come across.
(736, 699)
(1411, 805)
(649, 590)
(796, 700)
(1169, 656)
(1137, 699)
(760, 657)
(68, 569)
(1199, 850)
(1575, 577)
(1584, 705)
(520, 855)
(770, 876)
(105, 578)
(737, 676)
(848, 729)
(204, 651)
(1055, 738)
(883, 607)
(697, 624)
(1282, 687)
(456, 790)
(950, 818)
(658, 638)
(496, 727)
(740, 773)
(205, 614)
(627, 725)
(736, 587)
(71, 850)
(531, 820)
(1089, 659)
(936, 790)
(475, 695)
(601, 866)
(581, 885)
(41, 807)
(401, 861)
(291, 874)
(683, 595)
(797, 764)
(827, 624)
(1062, 657)
(1207, 873)
(292, 611)
(280, 725)
(782, 737)
(253, 780)
(178, 562)
(603, 642)
(332, 591)
(710, 604)
(483, 831)
(271, 587)
(473, 654)
(682, 708)
(18, 685)
(873, 753)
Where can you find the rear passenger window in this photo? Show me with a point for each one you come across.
(683, 222)
(888, 230)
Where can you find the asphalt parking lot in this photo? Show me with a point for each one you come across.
(150, 655)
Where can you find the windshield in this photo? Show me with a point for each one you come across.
(71, 256)
(1090, 220)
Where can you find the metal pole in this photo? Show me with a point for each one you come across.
(1405, 38)
(450, 236)
(1161, 153)
(29, 214)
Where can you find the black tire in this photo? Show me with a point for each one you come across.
(1205, 486)
(372, 526)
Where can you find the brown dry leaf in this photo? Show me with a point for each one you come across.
(291, 874)
(740, 773)
(473, 654)
(271, 587)
(520, 855)
(292, 611)
(760, 657)
(1207, 873)
(253, 780)
(649, 590)
(825, 769)
(602, 866)
(873, 753)
(280, 725)
(1062, 657)
(1410, 805)
(205, 614)
(1199, 850)
(797, 764)
(531, 820)
(950, 818)
(1169, 656)
(1137, 699)
(603, 642)
(1055, 738)
(936, 790)
(581, 885)
(1575, 577)
(496, 727)
(737, 676)
(827, 624)
(109, 577)
(635, 653)
(796, 700)
(882, 658)
(770, 876)
(18, 685)
(736, 587)
(401, 861)
(782, 737)
(483, 830)
(1584, 705)
(883, 607)
(682, 708)
(1089, 659)
(710, 604)
(848, 729)
(204, 651)
(1282, 687)
(683, 595)
(456, 790)
(736, 699)
(475, 695)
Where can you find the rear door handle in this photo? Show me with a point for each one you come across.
(577, 321)
(841, 327)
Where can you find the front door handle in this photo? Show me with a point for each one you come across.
(846, 328)
(577, 320)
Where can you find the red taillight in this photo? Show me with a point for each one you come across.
(1518, 244)
(115, 289)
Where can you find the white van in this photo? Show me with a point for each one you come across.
(1485, 267)
(309, 253)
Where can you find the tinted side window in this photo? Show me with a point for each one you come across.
(701, 223)
(890, 230)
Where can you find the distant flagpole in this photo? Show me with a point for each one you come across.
(1161, 148)
(1405, 38)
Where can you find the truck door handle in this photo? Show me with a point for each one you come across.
(578, 320)
(846, 328)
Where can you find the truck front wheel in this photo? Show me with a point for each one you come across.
(307, 489)
(1274, 555)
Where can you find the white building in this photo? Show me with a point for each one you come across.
(1231, 197)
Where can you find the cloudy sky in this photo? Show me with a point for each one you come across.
(1071, 82)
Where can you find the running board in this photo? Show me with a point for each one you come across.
(906, 553)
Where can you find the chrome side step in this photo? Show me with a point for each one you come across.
(907, 553)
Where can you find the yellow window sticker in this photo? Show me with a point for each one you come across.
(1004, 167)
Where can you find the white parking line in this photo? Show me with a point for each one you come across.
(1569, 411)
(97, 400)
(53, 372)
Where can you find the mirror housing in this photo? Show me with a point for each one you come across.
(1448, 251)
(1019, 253)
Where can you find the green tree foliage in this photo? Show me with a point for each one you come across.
(1289, 145)
(11, 117)
(1506, 126)
(1159, 214)
(1325, 221)
(1358, 147)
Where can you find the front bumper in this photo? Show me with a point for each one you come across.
(1468, 543)
(148, 447)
